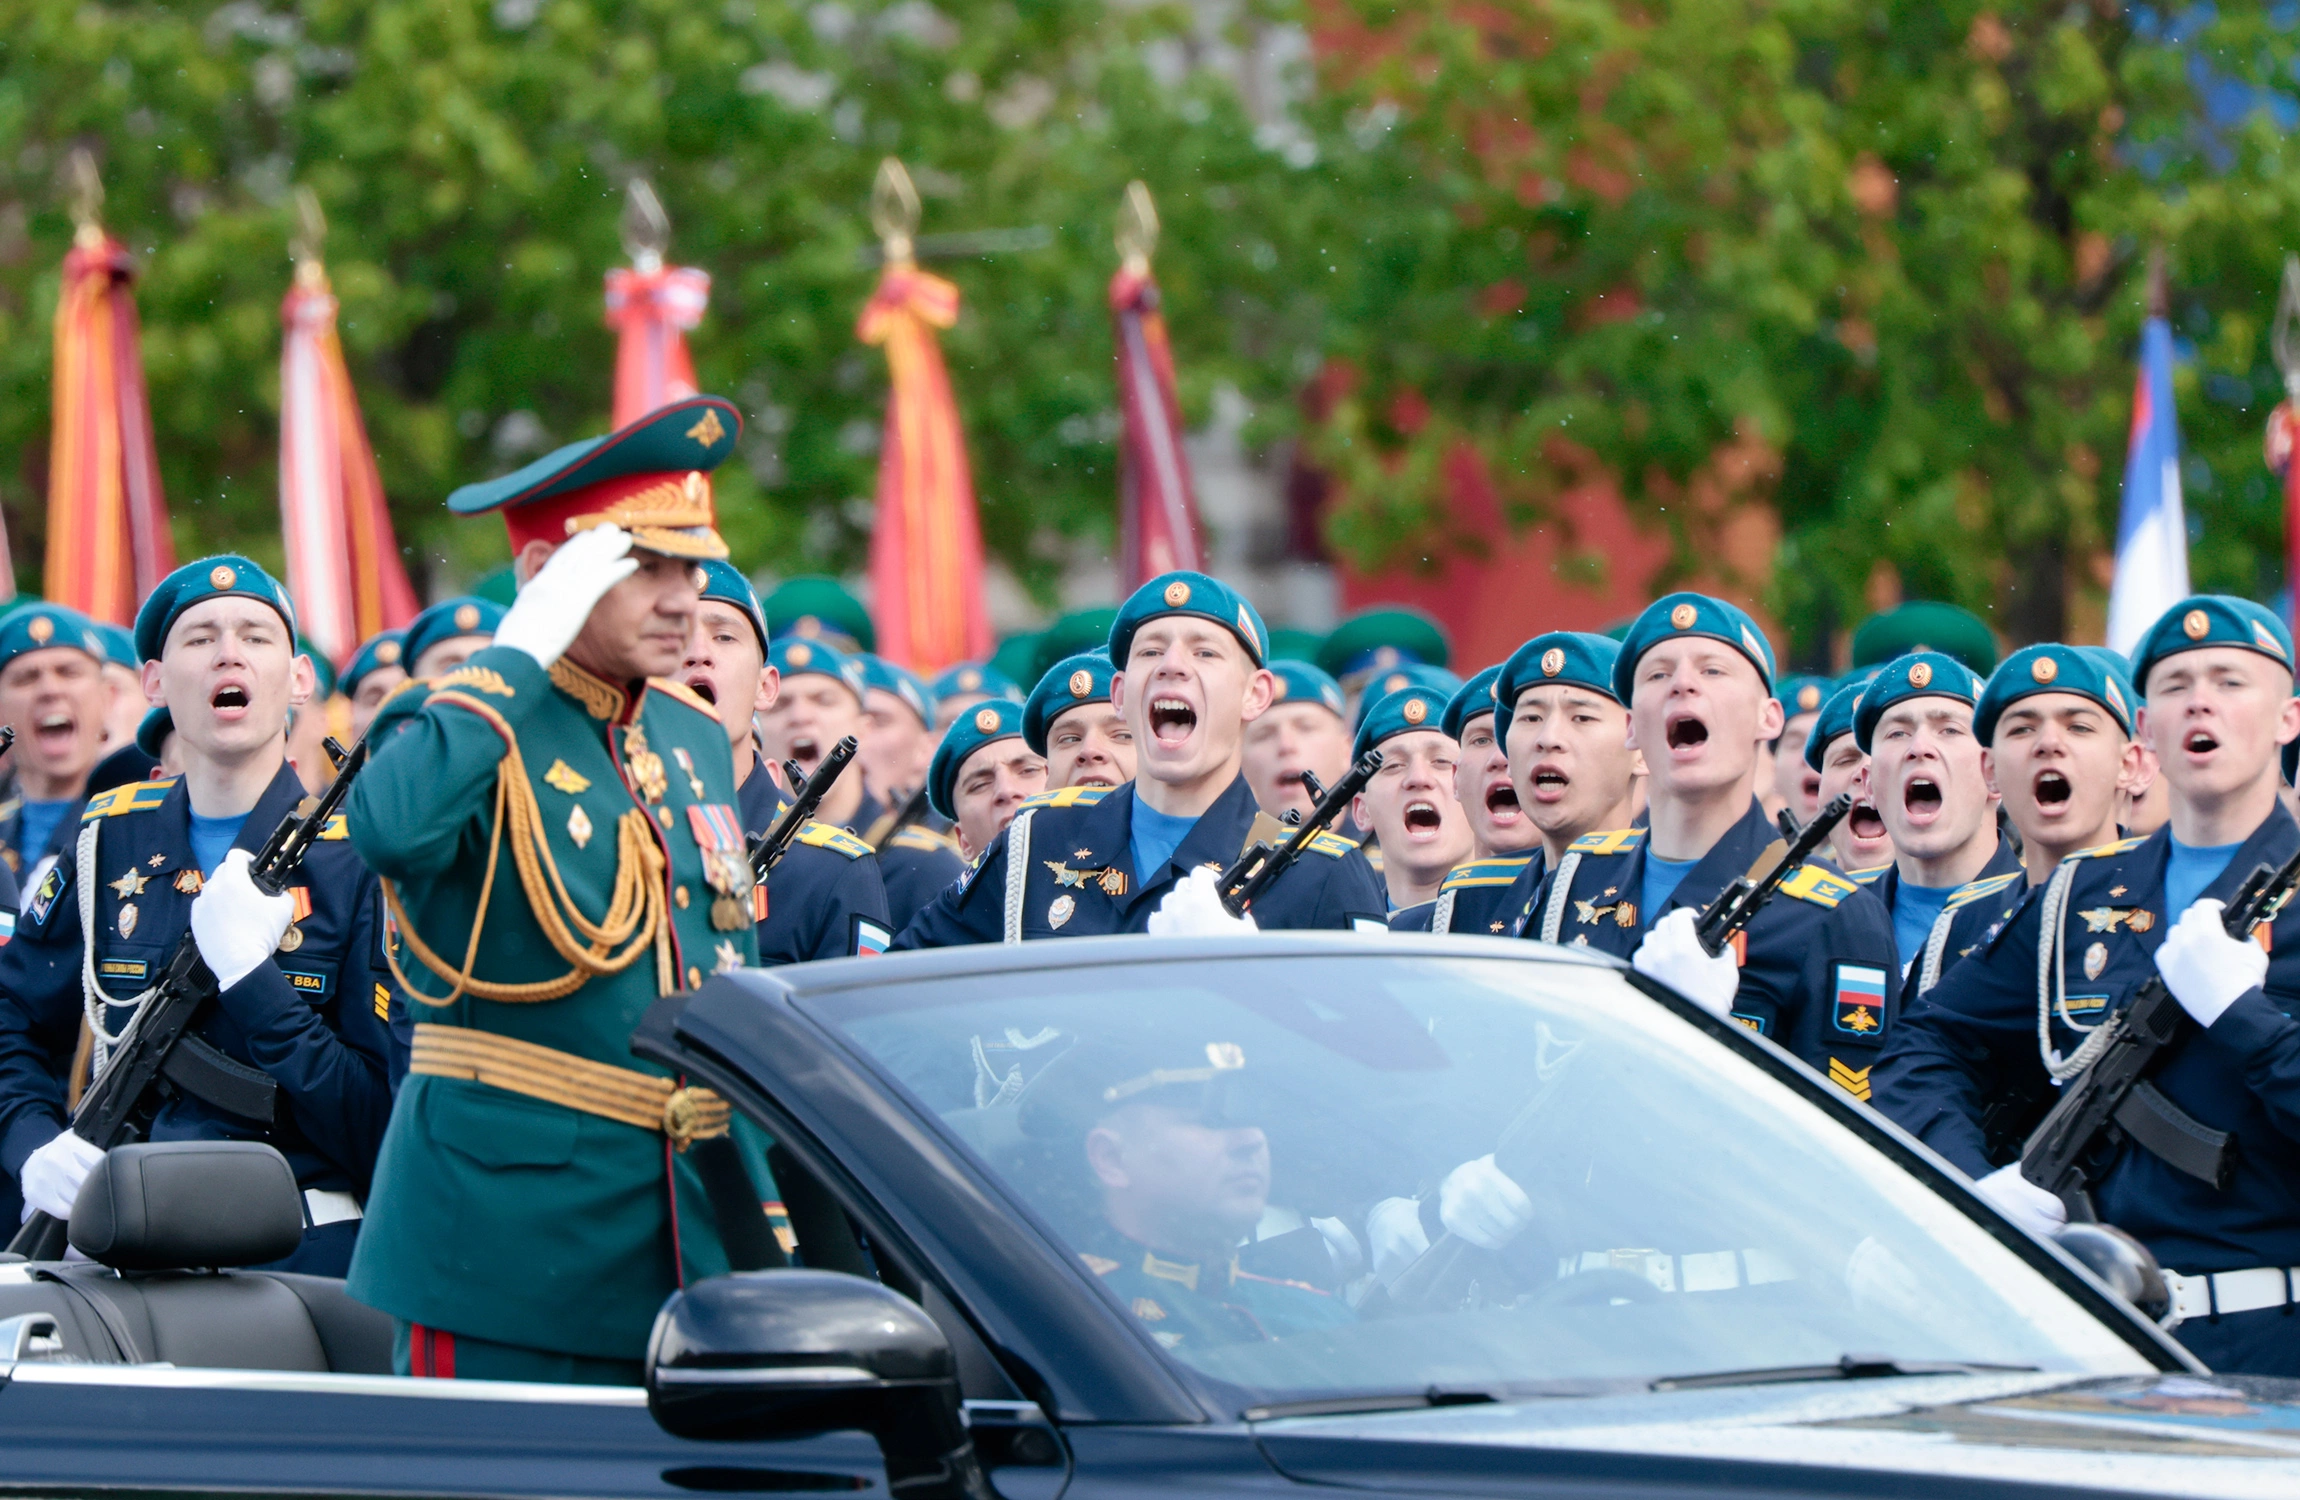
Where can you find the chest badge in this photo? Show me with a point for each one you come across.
(564, 777)
(1110, 879)
(579, 826)
(725, 960)
(647, 771)
(2095, 960)
(158, 860)
(1589, 913)
(2109, 918)
(1061, 911)
(718, 834)
(687, 766)
(128, 920)
(130, 885)
(188, 882)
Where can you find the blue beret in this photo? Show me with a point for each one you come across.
(2054, 668)
(1836, 720)
(1922, 674)
(1084, 678)
(905, 684)
(1436, 681)
(224, 576)
(1300, 682)
(1574, 656)
(607, 479)
(996, 719)
(1675, 615)
(467, 614)
(973, 677)
(153, 731)
(1189, 594)
(119, 645)
(724, 582)
(384, 649)
(1802, 695)
(46, 626)
(2211, 620)
(794, 657)
(1474, 697)
(1401, 712)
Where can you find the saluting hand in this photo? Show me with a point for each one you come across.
(550, 610)
(2206, 969)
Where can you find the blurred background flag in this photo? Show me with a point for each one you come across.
(343, 562)
(651, 306)
(2284, 422)
(2151, 531)
(1157, 507)
(926, 543)
(108, 541)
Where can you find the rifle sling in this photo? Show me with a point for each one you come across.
(221, 1082)
(2175, 1137)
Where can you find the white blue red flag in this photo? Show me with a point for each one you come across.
(2151, 531)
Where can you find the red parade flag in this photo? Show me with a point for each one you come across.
(1157, 504)
(651, 306)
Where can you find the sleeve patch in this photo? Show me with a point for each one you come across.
(382, 1003)
(1070, 796)
(1858, 1001)
(44, 898)
(825, 836)
(1332, 845)
(136, 796)
(871, 938)
(1819, 886)
(1852, 1080)
(1611, 841)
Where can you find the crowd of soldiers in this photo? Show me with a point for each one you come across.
(552, 833)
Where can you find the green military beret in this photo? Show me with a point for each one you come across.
(1073, 634)
(465, 614)
(1016, 659)
(1573, 656)
(794, 657)
(723, 581)
(973, 677)
(817, 608)
(986, 723)
(1925, 625)
(2211, 620)
(48, 627)
(1836, 720)
(501, 585)
(2053, 668)
(1289, 644)
(386, 648)
(1189, 594)
(153, 730)
(1924, 674)
(1412, 674)
(1090, 1080)
(1801, 695)
(220, 577)
(1084, 678)
(1472, 698)
(321, 667)
(1401, 712)
(1675, 615)
(905, 684)
(1300, 682)
(1375, 640)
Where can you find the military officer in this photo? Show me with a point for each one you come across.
(1567, 739)
(446, 635)
(1081, 860)
(897, 740)
(52, 691)
(1861, 846)
(1504, 842)
(556, 826)
(961, 687)
(1796, 784)
(824, 899)
(376, 670)
(811, 607)
(1303, 730)
(2217, 682)
(300, 998)
(984, 771)
(1070, 721)
(1410, 801)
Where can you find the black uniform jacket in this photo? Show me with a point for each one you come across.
(1080, 880)
(915, 864)
(824, 900)
(1817, 965)
(1975, 1040)
(1487, 894)
(2004, 868)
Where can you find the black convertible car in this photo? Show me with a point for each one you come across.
(1118, 1217)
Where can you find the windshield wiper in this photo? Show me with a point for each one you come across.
(1340, 1406)
(1847, 1367)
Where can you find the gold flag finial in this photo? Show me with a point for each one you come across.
(894, 211)
(310, 237)
(87, 202)
(646, 227)
(1137, 227)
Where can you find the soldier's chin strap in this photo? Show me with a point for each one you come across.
(636, 917)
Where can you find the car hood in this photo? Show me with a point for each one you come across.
(2165, 1434)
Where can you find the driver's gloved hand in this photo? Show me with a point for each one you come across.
(1394, 1229)
(1480, 1203)
(1672, 953)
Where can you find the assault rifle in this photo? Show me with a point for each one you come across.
(1259, 867)
(807, 793)
(2113, 1101)
(1737, 905)
(158, 1054)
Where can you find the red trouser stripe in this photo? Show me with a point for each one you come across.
(430, 1352)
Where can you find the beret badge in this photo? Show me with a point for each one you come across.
(1921, 675)
(1081, 683)
(387, 654)
(969, 680)
(986, 720)
(1553, 661)
(1177, 594)
(41, 629)
(222, 577)
(1682, 617)
(1808, 698)
(799, 655)
(2044, 669)
(467, 617)
(1416, 710)
(2194, 624)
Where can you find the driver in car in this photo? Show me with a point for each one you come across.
(1181, 1180)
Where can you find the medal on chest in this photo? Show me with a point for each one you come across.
(645, 766)
(718, 832)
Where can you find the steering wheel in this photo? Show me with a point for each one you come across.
(1597, 1287)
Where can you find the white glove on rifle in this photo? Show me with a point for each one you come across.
(1672, 953)
(2023, 1202)
(2205, 968)
(237, 926)
(1194, 909)
(52, 1175)
(1482, 1204)
(549, 612)
(1394, 1227)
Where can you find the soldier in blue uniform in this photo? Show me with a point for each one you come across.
(1081, 861)
(1410, 803)
(1860, 846)
(898, 740)
(959, 688)
(375, 671)
(1505, 844)
(446, 635)
(2218, 706)
(983, 772)
(301, 996)
(1304, 729)
(1071, 722)
(824, 900)
(52, 690)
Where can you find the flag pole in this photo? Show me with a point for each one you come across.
(651, 305)
(1157, 504)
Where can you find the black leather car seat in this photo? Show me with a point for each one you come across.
(167, 1227)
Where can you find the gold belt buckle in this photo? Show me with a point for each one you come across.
(682, 1118)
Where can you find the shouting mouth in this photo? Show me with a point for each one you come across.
(2053, 790)
(230, 701)
(1687, 733)
(1501, 804)
(806, 750)
(1423, 820)
(2200, 742)
(1550, 784)
(701, 686)
(1171, 721)
(1921, 800)
(54, 732)
(1865, 823)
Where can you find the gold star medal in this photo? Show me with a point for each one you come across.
(130, 885)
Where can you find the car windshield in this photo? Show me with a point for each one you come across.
(1235, 1149)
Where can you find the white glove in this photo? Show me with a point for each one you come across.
(549, 612)
(1479, 1202)
(2205, 968)
(2023, 1202)
(1672, 954)
(1395, 1229)
(1194, 909)
(52, 1175)
(237, 926)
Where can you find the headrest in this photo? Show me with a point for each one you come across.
(171, 1204)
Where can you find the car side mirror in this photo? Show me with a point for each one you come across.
(2123, 1262)
(771, 1354)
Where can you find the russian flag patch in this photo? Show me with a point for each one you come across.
(870, 938)
(1860, 1001)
